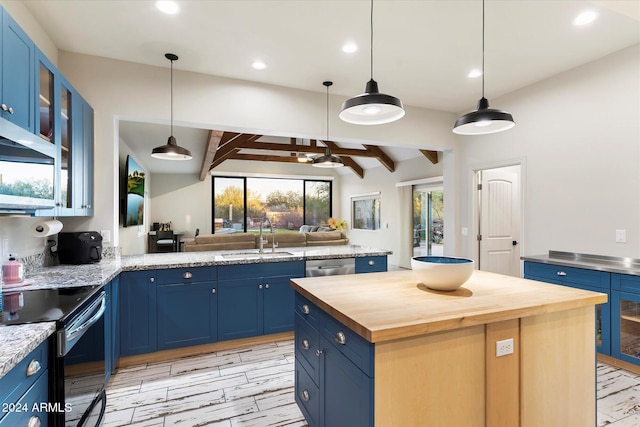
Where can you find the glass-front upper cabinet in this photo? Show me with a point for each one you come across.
(66, 149)
(45, 108)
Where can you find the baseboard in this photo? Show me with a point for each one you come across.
(619, 363)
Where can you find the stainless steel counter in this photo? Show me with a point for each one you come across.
(590, 262)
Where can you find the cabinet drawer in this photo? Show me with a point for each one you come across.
(21, 414)
(371, 264)
(308, 311)
(248, 271)
(184, 275)
(23, 375)
(307, 341)
(568, 275)
(353, 346)
(307, 396)
(625, 283)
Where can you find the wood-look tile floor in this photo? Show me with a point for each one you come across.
(254, 386)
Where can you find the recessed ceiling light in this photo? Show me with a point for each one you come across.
(474, 73)
(585, 18)
(350, 47)
(169, 7)
(258, 65)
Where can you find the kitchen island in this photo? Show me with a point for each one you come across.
(381, 349)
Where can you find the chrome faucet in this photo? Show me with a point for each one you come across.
(262, 241)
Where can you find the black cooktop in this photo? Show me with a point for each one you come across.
(42, 305)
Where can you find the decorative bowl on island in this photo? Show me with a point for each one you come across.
(442, 273)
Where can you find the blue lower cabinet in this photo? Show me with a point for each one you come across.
(590, 280)
(115, 323)
(334, 385)
(187, 314)
(26, 412)
(239, 308)
(138, 313)
(371, 264)
(278, 306)
(625, 315)
(347, 392)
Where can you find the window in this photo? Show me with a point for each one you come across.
(240, 203)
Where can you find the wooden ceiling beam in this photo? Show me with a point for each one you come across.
(213, 141)
(431, 155)
(383, 157)
(348, 161)
(232, 147)
(265, 158)
(354, 152)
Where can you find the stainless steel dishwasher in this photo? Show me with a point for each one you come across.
(330, 267)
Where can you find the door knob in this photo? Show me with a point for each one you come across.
(514, 243)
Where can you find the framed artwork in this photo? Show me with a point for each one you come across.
(365, 211)
(134, 209)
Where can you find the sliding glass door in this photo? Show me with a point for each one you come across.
(428, 221)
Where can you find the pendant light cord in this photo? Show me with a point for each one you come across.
(172, 97)
(483, 48)
(371, 40)
(327, 113)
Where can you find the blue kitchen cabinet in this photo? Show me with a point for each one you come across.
(240, 308)
(114, 354)
(83, 157)
(187, 307)
(334, 383)
(590, 280)
(371, 264)
(625, 301)
(257, 300)
(23, 386)
(17, 74)
(138, 312)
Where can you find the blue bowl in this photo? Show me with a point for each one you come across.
(442, 273)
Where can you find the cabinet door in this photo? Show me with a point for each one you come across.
(603, 319)
(138, 313)
(278, 305)
(347, 393)
(186, 314)
(66, 145)
(83, 157)
(115, 323)
(17, 94)
(240, 308)
(625, 314)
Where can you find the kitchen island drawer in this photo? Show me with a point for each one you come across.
(307, 347)
(18, 380)
(567, 275)
(169, 276)
(30, 409)
(308, 310)
(307, 396)
(358, 350)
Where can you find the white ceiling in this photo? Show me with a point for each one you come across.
(423, 49)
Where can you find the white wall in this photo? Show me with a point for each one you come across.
(579, 135)
(380, 179)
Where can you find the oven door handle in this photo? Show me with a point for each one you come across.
(79, 330)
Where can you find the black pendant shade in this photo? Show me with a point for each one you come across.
(484, 120)
(371, 107)
(327, 160)
(171, 150)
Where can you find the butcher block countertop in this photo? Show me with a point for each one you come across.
(393, 305)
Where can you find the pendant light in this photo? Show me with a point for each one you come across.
(484, 120)
(371, 107)
(327, 160)
(171, 150)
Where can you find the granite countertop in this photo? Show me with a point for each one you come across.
(18, 340)
(590, 262)
(394, 305)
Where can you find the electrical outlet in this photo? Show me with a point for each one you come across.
(106, 236)
(504, 347)
(621, 236)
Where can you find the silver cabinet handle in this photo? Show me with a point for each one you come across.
(213, 291)
(319, 352)
(305, 309)
(34, 421)
(305, 344)
(259, 286)
(187, 275)
(152, 279)
(341, 338)
(33, 368)
(266, 286)
(4, 107)
(372, 262)
(10, 110)
(561, 273)
(305, 395)
(87, 206)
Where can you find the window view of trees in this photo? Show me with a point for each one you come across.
(241, 203)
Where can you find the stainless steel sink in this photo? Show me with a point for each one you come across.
(245, 255)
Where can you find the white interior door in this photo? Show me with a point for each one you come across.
(500, 220)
